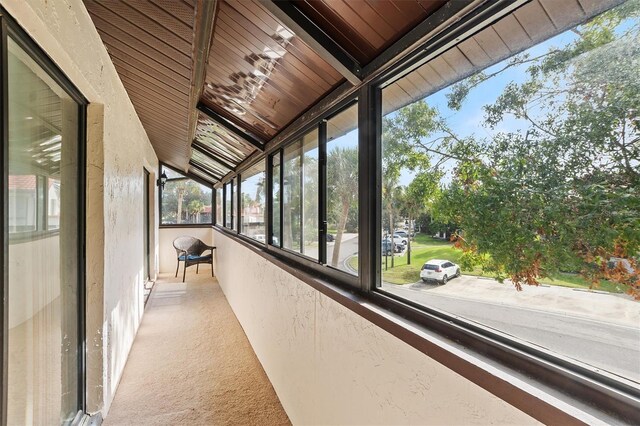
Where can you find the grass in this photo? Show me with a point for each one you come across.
(425, 248)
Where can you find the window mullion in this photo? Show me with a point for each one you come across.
(240, 204)
(281, 212)
(322, 192)
(369, 184)
(268, 213)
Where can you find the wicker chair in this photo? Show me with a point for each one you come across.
(189, 250)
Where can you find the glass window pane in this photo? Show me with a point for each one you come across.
(300, 197)
(342, 190)
(43, 283)
(277, 195)
(228, 205)
(253, 202)
(292, 197)
(23, 203)
(185, 201)
(53, 203)
(236, 197)
(523, 170)
(219, 201)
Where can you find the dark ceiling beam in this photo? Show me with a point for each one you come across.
(218, 152)
(203, 169)
(204, 24)
(230, 126)
(212, 155)
(326, 47)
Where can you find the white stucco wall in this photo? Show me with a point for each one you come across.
(64, 30)
(166, 252)
(329, 365)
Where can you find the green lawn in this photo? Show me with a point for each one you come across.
(425, 248)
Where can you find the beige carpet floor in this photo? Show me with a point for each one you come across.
(191, 363)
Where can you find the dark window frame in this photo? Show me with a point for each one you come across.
(10, 28)
(574, 378)
(580, 385)
(240, 201)
(219, 201)
(194, 178)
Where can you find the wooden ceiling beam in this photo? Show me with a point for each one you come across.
(230, 126)
(326, 47)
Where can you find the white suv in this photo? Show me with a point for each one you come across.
(439, 270)
(399, 239)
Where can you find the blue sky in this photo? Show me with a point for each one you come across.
(469, 120)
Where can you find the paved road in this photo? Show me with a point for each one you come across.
(348, 248)
(612, 347)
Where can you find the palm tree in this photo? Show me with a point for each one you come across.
(342, 173)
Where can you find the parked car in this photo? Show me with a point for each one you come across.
(439, 270)
(401, 233)
(389, 247)
(399, 239)
(330, 238)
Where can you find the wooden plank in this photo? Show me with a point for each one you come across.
(492, 44)
(533, 18)
(140, 40)
(158, 71)
(458, 61)
(474, 53)
(159, 17)
(144, 53)
(130, 20)
(179, 10)
(512, 33)
(131, 71)
(564, 13)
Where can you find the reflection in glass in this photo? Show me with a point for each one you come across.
(219, 201)
(253, 202)
(300, 196)
(277, 195)
(235, 218)
(342, 190)
(523, 168)
(228, 207)
(43, 281)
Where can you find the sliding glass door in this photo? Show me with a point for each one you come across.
(42, 177)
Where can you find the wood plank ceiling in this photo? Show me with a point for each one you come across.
(365, 28)
(257, 74)
(150, 44)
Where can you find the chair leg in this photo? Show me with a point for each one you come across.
(184, 274)
(212, 269)
(177, 267)
(197, 267)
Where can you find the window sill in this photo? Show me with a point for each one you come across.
(186, 225)
(556, 397)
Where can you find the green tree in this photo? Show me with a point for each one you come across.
(417, 198)
(564, 192)
(342, 173)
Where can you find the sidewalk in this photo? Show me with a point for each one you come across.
(612, 308)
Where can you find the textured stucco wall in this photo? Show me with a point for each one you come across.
(166, 252)
(118, 149)
(329, 365)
